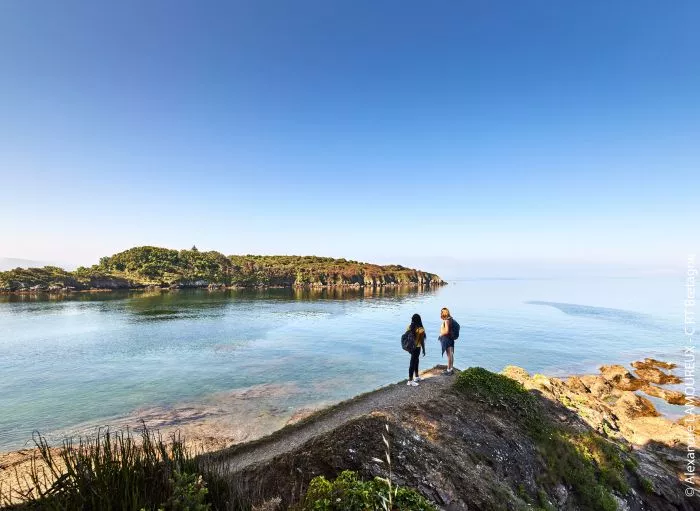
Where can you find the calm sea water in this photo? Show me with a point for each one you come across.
(65, 362)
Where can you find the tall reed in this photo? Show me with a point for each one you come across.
(113, 470)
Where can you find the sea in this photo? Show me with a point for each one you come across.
(93, 358)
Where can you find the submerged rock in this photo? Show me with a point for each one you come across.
(670, 396)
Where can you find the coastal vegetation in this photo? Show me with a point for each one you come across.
(481, 440)
(147, 473)
(147, 266)
(111, 471)
(589, 464)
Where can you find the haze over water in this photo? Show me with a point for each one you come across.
(93, 358)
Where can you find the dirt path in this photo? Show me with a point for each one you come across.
(241, 456)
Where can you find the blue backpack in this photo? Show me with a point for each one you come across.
(454, 329)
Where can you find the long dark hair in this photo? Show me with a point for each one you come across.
(416, 323)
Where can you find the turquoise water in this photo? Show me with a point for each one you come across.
(65, 362)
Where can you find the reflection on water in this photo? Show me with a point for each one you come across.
(214, 295)
(87, 358)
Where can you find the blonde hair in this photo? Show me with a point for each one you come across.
(444, 313)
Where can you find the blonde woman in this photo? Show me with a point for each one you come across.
(446, 340)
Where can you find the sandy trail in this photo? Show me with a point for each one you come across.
(289, 438)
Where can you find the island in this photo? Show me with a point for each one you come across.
(156, 267)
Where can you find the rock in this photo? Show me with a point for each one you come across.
(274, 504)
(576, 384)
(301, 414)
(561, 494)
(632, 406)
(622, 505)
(541, 382)
(670, 396)
(620, 377)
(690, 419)
(516, 373)
(652, 362)
(654, 374)
(598, 386)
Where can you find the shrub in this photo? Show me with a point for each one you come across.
(349, 493)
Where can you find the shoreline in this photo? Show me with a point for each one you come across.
(220, 287)
(233, 418)
(604, 405)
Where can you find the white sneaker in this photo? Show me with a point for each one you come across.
(412, 383)
(417, 379)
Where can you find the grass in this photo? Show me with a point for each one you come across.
(592, 466)
(646, 485)
(112, 471)
(501, 393)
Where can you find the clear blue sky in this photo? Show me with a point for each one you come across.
(491, 130)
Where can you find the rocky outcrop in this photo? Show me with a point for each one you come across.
(673, 397)
(610, 403)
(652, 362)
(620, 378)
(482, 451)
(649, 371)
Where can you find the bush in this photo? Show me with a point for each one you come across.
(349, 493)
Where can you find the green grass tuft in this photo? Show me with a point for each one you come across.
(502, 393)
(646, 485)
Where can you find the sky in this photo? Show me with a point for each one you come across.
(387, 131)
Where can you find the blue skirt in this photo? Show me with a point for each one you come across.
(446, 342)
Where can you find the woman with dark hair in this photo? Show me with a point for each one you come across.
(416, 328)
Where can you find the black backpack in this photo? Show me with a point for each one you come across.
(408, 341)
(454, 330)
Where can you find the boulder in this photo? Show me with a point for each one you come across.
(670, 396)
(598, 386)
(516, 373)
(632, 406)
(654, 375)
(652, 362)
(620, 378)
(576, 385)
